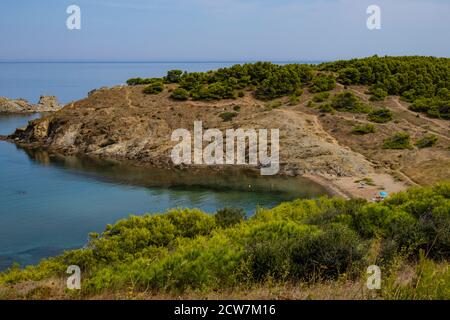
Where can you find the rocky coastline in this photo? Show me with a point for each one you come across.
(21, 106)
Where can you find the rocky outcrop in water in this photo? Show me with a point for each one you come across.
(45, 104)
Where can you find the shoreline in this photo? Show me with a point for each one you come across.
(344, 187)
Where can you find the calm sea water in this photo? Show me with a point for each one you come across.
(49, 203)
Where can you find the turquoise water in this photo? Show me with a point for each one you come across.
(49, 203)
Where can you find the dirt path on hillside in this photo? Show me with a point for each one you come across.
(345, 186)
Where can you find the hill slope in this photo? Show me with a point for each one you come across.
(317, 110)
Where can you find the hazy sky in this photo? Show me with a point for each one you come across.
(231, 30)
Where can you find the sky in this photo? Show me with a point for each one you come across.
(221, 30)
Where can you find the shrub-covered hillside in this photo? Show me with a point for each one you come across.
(423, 81)
(308, 241)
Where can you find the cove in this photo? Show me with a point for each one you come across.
(50, 202)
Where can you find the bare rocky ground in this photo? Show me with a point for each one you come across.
(45, 104)
(123, 123)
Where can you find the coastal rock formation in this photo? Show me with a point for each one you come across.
(45, 104)
(123, 123)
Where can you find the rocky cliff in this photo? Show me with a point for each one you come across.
(126, 124)
(45, 104)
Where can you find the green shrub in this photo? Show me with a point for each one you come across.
(294, 100)
(141, 81)
(363, 129)
(421, 80)
(214, 91)
(433, 107)
(173, 76)
(427, 141)
(377, 94)
(326, 108)
(308, 240)
(228, 217)
(321, 97)
(311, 104)
(349, 76)
(400, 140)
(347, 101)
(228, 116)
(295, 252)
(413, 77)
(322, 83)
(180, 94)
(382, 115)
(154, 88)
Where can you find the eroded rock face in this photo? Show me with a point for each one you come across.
(45, 104)
(124, 123)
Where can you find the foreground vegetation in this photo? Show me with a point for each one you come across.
(314, 242)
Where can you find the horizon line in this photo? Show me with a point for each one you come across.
(161, 61)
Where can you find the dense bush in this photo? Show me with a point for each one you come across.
(427, 141)
(228, 217)
(321, 97)
(173, 76)
(322, 83)
(433, 107)
(347, 101)
(154, 88)
(326, 108)
(422, 80)
(228, 116)
(377, 94)
(141, 81)
(382, 115)
(267, 81)
(410, 77)
(180, 94)
(294, 99)
(349, 75)
(214, 91)
(400, 140)
(305, 240)
(363, 129)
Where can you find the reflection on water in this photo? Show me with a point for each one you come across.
(228, 178)
(50, 202)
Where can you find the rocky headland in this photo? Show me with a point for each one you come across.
(45, 104)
